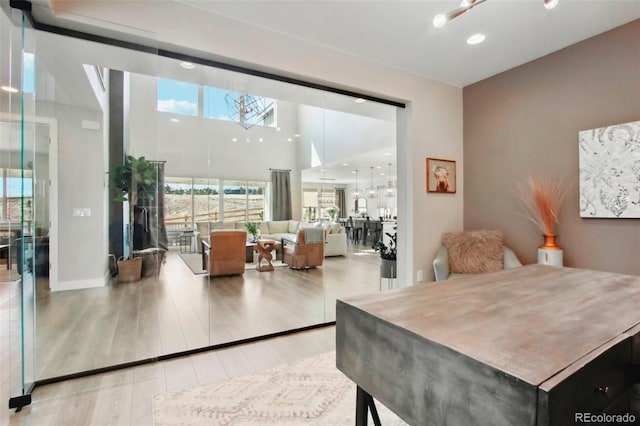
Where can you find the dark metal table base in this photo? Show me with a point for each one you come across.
(364, 403)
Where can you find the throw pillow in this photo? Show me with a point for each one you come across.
(474, 252)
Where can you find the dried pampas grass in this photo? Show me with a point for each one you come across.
(540, 198)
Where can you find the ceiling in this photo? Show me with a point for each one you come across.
(396, 33)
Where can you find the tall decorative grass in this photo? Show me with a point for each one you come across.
(540, 199)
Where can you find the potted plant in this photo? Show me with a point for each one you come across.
(332, 211)
(388, 256)
(252, 229)
(136, 179)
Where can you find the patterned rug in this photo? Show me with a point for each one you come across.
(311, 391)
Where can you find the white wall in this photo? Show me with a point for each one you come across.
(82, 257)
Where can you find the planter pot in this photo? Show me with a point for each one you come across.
(388, 268)
(129, 270)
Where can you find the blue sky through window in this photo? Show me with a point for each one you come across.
(177, 97)
(14, 187)
(214, 104)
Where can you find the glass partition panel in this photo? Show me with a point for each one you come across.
(149, 159)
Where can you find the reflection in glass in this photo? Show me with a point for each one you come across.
(212, 174)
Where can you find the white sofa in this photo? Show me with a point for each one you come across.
(336, 237)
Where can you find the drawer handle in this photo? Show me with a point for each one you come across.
(602, 389)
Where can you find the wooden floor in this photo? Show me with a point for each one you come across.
(176, 311)
(124, 397)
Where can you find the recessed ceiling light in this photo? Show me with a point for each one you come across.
(174, 120)
(345, 164)
(260, 140)
(187, 65)
(278, 128)
(550, 4)
(296, 135)
(476, 39)
(354, 172)
(439, 20)
(381, 174)
(360, 100)
(387, 153)
(9, 89)
(234, 139)
(378, 167)
(289, 139)
(248, 140)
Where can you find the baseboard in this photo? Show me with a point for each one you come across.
(80, 284)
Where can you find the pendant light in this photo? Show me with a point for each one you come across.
(371, 191)
(390, 191)
(356, 194)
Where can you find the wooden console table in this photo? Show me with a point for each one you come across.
(527, 346)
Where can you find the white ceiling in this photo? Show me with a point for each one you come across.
(397, 33)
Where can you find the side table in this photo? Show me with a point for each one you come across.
(264, 249)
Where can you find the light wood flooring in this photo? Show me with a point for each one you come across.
(124, 397)
(176, 311)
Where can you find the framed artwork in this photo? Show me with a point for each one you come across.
(441, 176)
(609, 162)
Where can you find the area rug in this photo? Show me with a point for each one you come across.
(194, 262)
(311, 391)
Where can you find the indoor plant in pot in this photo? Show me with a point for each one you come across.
(136, 179)
(252, 229)
(388, 256)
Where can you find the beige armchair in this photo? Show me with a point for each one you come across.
(226, 252)
(472, 252)
(307, 251)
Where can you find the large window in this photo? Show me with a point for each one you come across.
(198, 200)
(178, 97)
(243, 201)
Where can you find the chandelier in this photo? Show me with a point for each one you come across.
(248, 110)
(441, 19)
(356, 194)
(390, 191)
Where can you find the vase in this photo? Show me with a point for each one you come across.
(550, 253)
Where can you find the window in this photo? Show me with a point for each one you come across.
(315, 203)
(190, 200)
(243, 201)
(11, 193)
(177, 97)
(28, 73)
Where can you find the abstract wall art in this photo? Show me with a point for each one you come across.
(609, 162)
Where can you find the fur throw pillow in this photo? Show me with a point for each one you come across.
(474, 252)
